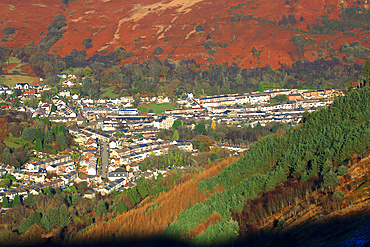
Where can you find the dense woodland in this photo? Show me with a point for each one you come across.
(21, 134)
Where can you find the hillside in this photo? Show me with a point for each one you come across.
(295, 175)
(251, 33)
(311, 219)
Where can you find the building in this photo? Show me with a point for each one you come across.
(117, 174)
(165, 122)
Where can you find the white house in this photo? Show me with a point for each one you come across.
(23, 86)
(64, 93)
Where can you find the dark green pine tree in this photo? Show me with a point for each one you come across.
(366, 70)
(45, 222)
(38, 145)
(24, 226)
(35, 218)
(29, 200)
(49, 137)
(121, 208)
(63, 215)
(53, 215)
(16, 201)
(5, 202)
(143, 189)
(101, 209)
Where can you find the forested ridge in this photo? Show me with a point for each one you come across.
(323, 141)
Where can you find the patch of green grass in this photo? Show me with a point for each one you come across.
(69, 71)
(272, 85)
(108, 92)
(12, 80)
(157, 108)
(17, 141)
(11, 144)
(17, 69)
(14, 60)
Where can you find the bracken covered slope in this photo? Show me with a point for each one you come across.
(232, 28)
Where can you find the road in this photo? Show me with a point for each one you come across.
(104, 154)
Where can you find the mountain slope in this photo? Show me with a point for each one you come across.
(216, 31)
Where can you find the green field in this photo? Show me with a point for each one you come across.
(108, 92)
(17, 69)
(157, 108)
(11, 144)
(14, 142)
(14, 60)
(70, 71)
(12, 80)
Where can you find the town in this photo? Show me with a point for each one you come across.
(115, 136)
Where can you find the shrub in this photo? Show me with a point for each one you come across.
(342, 170)
(199, 29)
(8, 30)
(330, 179)
(158, 50)
(210, 59)
(282, 222)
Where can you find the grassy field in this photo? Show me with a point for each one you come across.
(11, 144)
(14, 60)
(12, 80)
(157, 108)
(108, 92)
(70, 71)
(17, 69)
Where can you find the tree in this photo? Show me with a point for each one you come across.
(5, 202)
(86, 72)
(24, 225)
(64, 2)
(101, 209)
(45, 223)
(63, 215)
(342, 170)
(366, 70)
(16, 201)
(330, 180)
(175, 135)
(81, 187)
(281, 222)
(29, 134)
(87, 81)
(48, 138)
(176, 124)
(38, 145)
(7, 156)
(53, 215)
(200, 128)
(29, 200)
(261, 88)
(53, 108)
(143, 189)
(213, 125)
(121, 208)
(62, 140)
(201, 142)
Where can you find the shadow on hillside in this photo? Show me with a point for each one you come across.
(336, 231)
